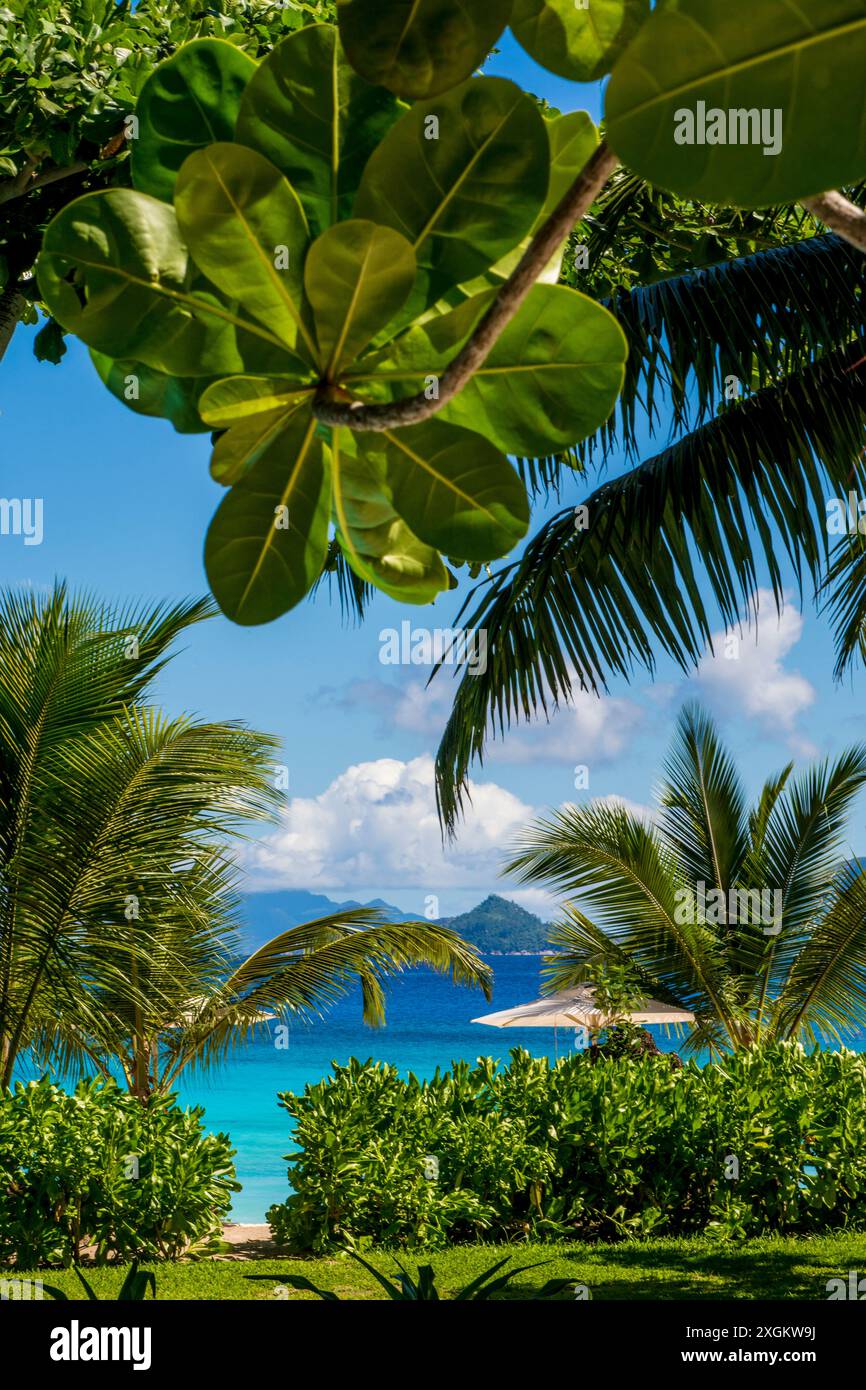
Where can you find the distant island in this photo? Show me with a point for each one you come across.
(497, 926)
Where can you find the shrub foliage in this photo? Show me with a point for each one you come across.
(96, 1167)
(767, 1141)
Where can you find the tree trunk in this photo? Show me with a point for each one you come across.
(12, 304)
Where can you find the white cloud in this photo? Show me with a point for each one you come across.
(412, 706)
(746, 674)
(592, 729)
(375, 829)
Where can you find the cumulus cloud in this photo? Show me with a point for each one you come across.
(591, 729)
(746, 673)
(375, 830)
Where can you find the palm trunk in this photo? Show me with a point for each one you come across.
(12, 306)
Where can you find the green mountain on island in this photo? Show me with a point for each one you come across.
(501, 927)
(496, 926)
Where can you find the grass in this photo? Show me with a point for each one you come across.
(654, 1269)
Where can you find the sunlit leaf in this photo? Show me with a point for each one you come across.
(377, 543)
(722, 99)
(454, 489)
(463, 178)
(247, 231)
(153, 393)
(316, 119)
(267, 543)
(114, 270)
(580, 42)
(357, 276)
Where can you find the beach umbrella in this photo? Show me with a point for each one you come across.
(577, 1008)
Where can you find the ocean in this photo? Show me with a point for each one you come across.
(428, 1027)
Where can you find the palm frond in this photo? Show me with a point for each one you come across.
(750, 320)
(582, 605)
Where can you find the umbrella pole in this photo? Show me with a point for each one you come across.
(555, 1044)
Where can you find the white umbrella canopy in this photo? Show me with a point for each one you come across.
(576, 1008)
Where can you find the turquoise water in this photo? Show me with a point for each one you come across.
(428, 1026)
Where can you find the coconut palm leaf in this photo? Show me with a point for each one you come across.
(582, 605)
(625, 881)
(749, 321)
(622, 872)
(824, 992)
(305, 970)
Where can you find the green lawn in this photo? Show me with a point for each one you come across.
(656, 1269)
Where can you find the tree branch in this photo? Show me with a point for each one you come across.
(12, 306)
(841, 216)
(26, 182)
(413, 409)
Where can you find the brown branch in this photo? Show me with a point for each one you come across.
(12, 306)
(841, 216)
(413, 409)
(25, 183)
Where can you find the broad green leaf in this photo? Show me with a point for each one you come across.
(581, 43)
(316, 119)
(551, 380)
(463, 178)
(573, 140)
(377, 543)
(247, 232)
(234, 398)
(153, 393)
(267, 543)
(453, 488)
(357, 277)
(419, 48)
(189, 101)
(743, 104)
(115, 271)
(242, 445)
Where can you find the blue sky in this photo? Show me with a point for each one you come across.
(126, 506)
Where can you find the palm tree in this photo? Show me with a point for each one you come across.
(750, 917)
(118, 883)
(201, 997)
(682, 536)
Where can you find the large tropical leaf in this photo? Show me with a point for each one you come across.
(188, 101)
(552, 378)
(115, 271)
(316, 119)
(149, 392)
(479, 158)
(419, 48)
(247, 231)
(581, 42)
(357, 277)
(267, 542)
(766, 70)
(455, 491)
(377, 543)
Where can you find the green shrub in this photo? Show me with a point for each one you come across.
(97, 1167)
(767, 1141)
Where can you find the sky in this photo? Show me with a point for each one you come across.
(126, 503)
